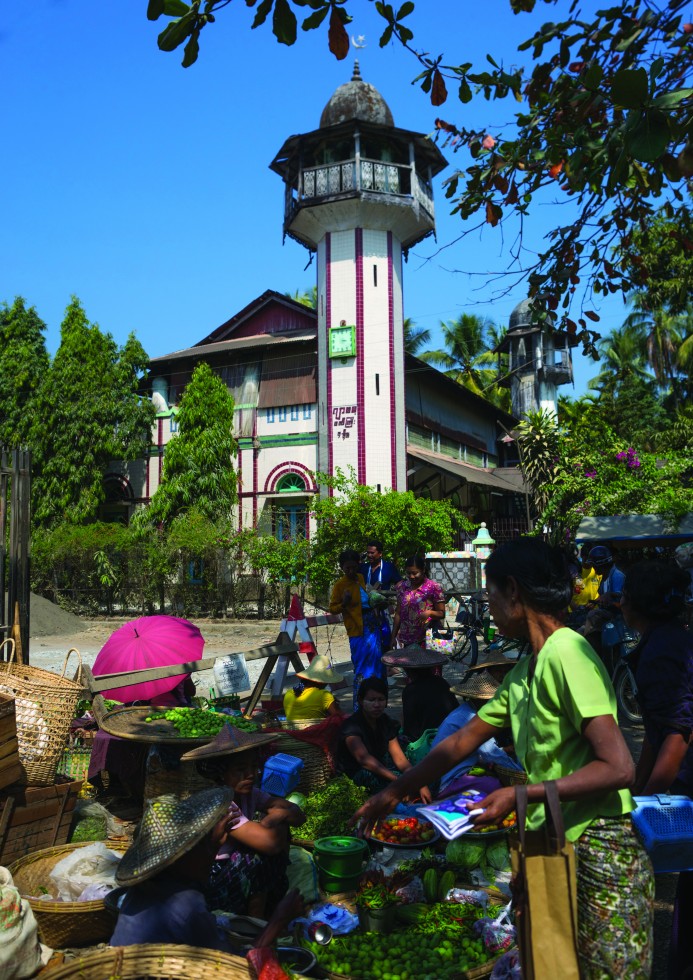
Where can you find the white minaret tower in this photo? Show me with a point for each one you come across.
(358, 192)
(539, 361)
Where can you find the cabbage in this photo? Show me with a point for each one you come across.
(465, 854)
(498, 855)
(297, 798)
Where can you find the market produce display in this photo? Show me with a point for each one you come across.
(494, 828)
(403, 831)
(438, 942)
(329, 809)
(197, 723)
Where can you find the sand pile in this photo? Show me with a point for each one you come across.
(47, 619)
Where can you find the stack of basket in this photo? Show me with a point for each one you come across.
(39, 706)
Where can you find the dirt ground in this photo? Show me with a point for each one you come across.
(48, 650)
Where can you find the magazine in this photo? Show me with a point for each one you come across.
(453, 817)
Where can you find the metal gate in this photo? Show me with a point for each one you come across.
(15, 515)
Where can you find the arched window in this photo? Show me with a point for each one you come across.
(291, 483)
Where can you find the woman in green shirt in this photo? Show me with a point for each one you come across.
(561, 708)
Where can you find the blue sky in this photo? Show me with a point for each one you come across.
(144, 188)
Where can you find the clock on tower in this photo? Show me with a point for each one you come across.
(343, 341)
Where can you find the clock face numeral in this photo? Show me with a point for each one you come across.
(342, 341)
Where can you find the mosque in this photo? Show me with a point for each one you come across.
(332, 388)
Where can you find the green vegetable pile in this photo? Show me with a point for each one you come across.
(422, 951)
(329, 810)
(91, 828)
(197, 723)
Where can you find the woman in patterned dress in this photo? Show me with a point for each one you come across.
(420, 604)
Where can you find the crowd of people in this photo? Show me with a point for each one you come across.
(552, 713)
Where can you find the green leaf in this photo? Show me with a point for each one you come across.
(593, 76)
(465, 91)
(191, 50)
(262, 12)
(284, 23)
(405, 10)
(175, 8)
(629, 88)
(315, 19)
(155, 9)
(669, 100)
(386, 36)
(177, 31)
(649, 140)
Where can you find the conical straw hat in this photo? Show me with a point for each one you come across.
(479, 685)
(169, 828)
(229, 740)
(413, 657)
(320, 671)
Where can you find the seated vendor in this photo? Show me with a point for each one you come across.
(426, 699)
(309, 699)
(248, 875)
(369, 752)
(480, 684)
(166, 869)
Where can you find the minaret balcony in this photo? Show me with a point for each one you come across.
(351, 178)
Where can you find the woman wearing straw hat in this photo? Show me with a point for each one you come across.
(248, 875)
(166, 869)
(427, 699)
(309, 699)
(478, 686)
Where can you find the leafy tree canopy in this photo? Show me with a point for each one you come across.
(23, 362)
(86, 413)
(601, 116)
(197, 471)
(588, 470)
(405, 523)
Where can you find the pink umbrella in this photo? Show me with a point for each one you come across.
(152, 641)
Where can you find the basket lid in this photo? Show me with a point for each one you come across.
(340, 845)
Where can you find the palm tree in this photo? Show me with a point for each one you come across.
(467, 350)
(415, 337)
(307, 297)
(571, 411)
(663, 339)
(622, 353)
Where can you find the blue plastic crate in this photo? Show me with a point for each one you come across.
(665, 826)
(281, 774)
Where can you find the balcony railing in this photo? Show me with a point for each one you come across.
(370, 175)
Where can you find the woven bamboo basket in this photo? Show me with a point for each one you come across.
(45, 706)
(153, 962)
(509, 776)
(63, 924)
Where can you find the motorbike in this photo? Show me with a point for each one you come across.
(618, 644)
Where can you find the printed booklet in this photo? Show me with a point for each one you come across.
(454, 816)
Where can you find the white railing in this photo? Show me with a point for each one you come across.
(372, 175)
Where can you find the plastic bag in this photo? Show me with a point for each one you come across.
(90, 808)
(302, 874)
(341, 921)
(464, 896)
(508, 967)
(413, 892)
(497, 934)
(90, 865)
(21, 953)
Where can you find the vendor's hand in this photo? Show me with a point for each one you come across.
(276, 818)
(426, 795)
(377, 806)
(496, 806)
(295, 817)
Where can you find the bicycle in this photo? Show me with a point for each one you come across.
(470, 621)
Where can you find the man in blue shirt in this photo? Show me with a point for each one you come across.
(609, 598)
(377, 572)
(383, 576)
